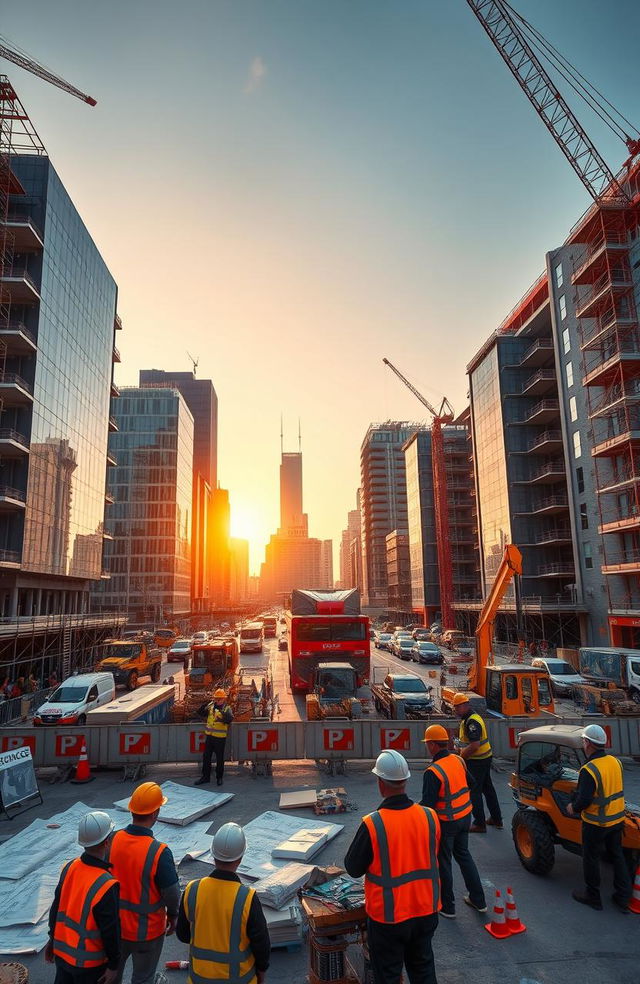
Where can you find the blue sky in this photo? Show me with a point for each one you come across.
(293, 190)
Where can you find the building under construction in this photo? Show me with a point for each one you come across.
(57, 349)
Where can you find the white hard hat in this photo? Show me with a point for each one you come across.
(392, 766)
(94, 828)
(229, 843)
(595, 734)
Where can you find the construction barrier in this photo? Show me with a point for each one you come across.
(258, 741)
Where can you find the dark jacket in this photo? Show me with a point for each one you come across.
(203, 712)
(431, 782)
(256, 925)
(105, 913)
(586, 790)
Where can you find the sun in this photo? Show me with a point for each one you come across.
(247, 525)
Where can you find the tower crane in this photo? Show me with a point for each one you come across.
(517, 42)
(22, 60)
(442, 416)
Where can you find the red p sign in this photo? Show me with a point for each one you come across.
(135, 743)
(9, 742)
(262, 741)
(338, 739)
(196, 742)
(395, 738)
(69, 746)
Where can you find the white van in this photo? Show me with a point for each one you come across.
(70, 702)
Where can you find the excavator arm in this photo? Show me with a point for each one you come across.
(510, 566)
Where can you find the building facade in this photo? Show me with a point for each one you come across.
(238, 570)
(399, 575)
(348, 576)
(326, 564)
(151, 485)
(383, 503)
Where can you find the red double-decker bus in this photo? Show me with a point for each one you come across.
(326, 625)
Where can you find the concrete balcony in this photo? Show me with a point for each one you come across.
(622, 563)
(117, 322)
(21, 286)
(10, 559)
(13, 444)
(114, 389)
(560, 568)
(14, 390)
(112, 461)
(619, 524)
(612, 445)
(18, 339)
(559, 535)
(11, 499)
(541, 382)
(604, 368)
(595, 300)
(548, 473)
(546, 443)
(116, 357)
(27, 237)
(551, 505)
(587, 266)
(537, 354)
(543, 412)
(113, 427)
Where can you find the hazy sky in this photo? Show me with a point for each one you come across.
(292, 190)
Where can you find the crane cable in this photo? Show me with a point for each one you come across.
(575, 79)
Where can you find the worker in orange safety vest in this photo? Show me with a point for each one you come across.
(149, 888)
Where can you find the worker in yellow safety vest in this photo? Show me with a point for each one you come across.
(222, 920)
(599, 799)
(218, 716)
(475, 749)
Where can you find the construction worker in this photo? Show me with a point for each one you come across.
(599, 799)
(396, 849)
(219, 716)
(84, 928)
(149, 889)
(445, 788)
(475, 749)
(222, 919)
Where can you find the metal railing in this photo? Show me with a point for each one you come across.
(549, 468)
(7, 434)
(541, 405)
(548, 536)
(17, 326)
(617, 278)
(10, 557)
(549, 501)
(22, 274)
(18, 218)
(6, 492)
(542, 375)
(12, 378)
(545, 438)
(541, 345)
(610, 238)
(559, 567)
(17, 708)
(118, 322)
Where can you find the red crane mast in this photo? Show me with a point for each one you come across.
(442, 416)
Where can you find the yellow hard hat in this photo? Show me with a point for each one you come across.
(460, 699)
(146, 799)
(219, 693)
(435, 732)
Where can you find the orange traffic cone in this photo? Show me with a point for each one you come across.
(513, 921)
(83, 773)
(498, 926)
(634, 904)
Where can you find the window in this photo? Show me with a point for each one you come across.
(588, 556)
(559, 277)
(580, 479)
(584, 519)
(569, 372)
(577, 447)
(573, 408)
(566, 341)
(562, 304)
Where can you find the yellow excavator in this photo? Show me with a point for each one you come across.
(509, 689)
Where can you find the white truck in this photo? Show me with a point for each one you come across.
(612, 665)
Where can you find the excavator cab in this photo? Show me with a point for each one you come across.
(518, 690)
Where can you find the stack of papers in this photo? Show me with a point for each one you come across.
(280, 887)
(285, 926)
(301, 846)
(184, 803)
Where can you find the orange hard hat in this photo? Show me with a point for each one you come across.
(460, 699)
(146, 799)
(435, 732)
(219, 693)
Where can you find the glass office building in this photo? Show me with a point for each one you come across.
(56, 379)
(151, 486)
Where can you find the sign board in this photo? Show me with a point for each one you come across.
(18, 782)
(398, 738)
(338, 739)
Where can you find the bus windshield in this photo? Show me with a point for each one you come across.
(321, 631)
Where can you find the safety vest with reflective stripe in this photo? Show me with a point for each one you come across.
(454, 801)
(134, 859)
(402, 880)
(76, 937)
(484, 749)
(215, 726)
(607, 806)
(219, 950)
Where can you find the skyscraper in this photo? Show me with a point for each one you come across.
(291, 514)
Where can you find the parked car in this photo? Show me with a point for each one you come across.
(402, 647)
(180, 651)
(563, 675)
(426, 652)
(282, 642)
(70, 702)
(421, 634)
(384, 641)
(199, 638)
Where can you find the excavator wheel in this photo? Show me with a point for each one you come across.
(533, 841)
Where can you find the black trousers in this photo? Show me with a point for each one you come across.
(595, 840)
(68, 974)
(213, 746)
(393, 944)
(480, 772)
(454, 840)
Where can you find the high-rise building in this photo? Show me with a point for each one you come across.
(239, 570)
(399, 574)
(292, 518)
(200, 396)
(383, 503)
(351, 533)
(219, 540)
(57, 332)
(463, 543)
(151, 486)
(326, 564)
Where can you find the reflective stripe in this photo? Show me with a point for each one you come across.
(215, 727)
(446, 797)
(79, 953)
(145, 908)
(600, 802)
(80, 957)
(235, 956)
(387, 882)
(199, 953)
(249, 975)
(484, 745)
(65, 920)
(234, 935)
